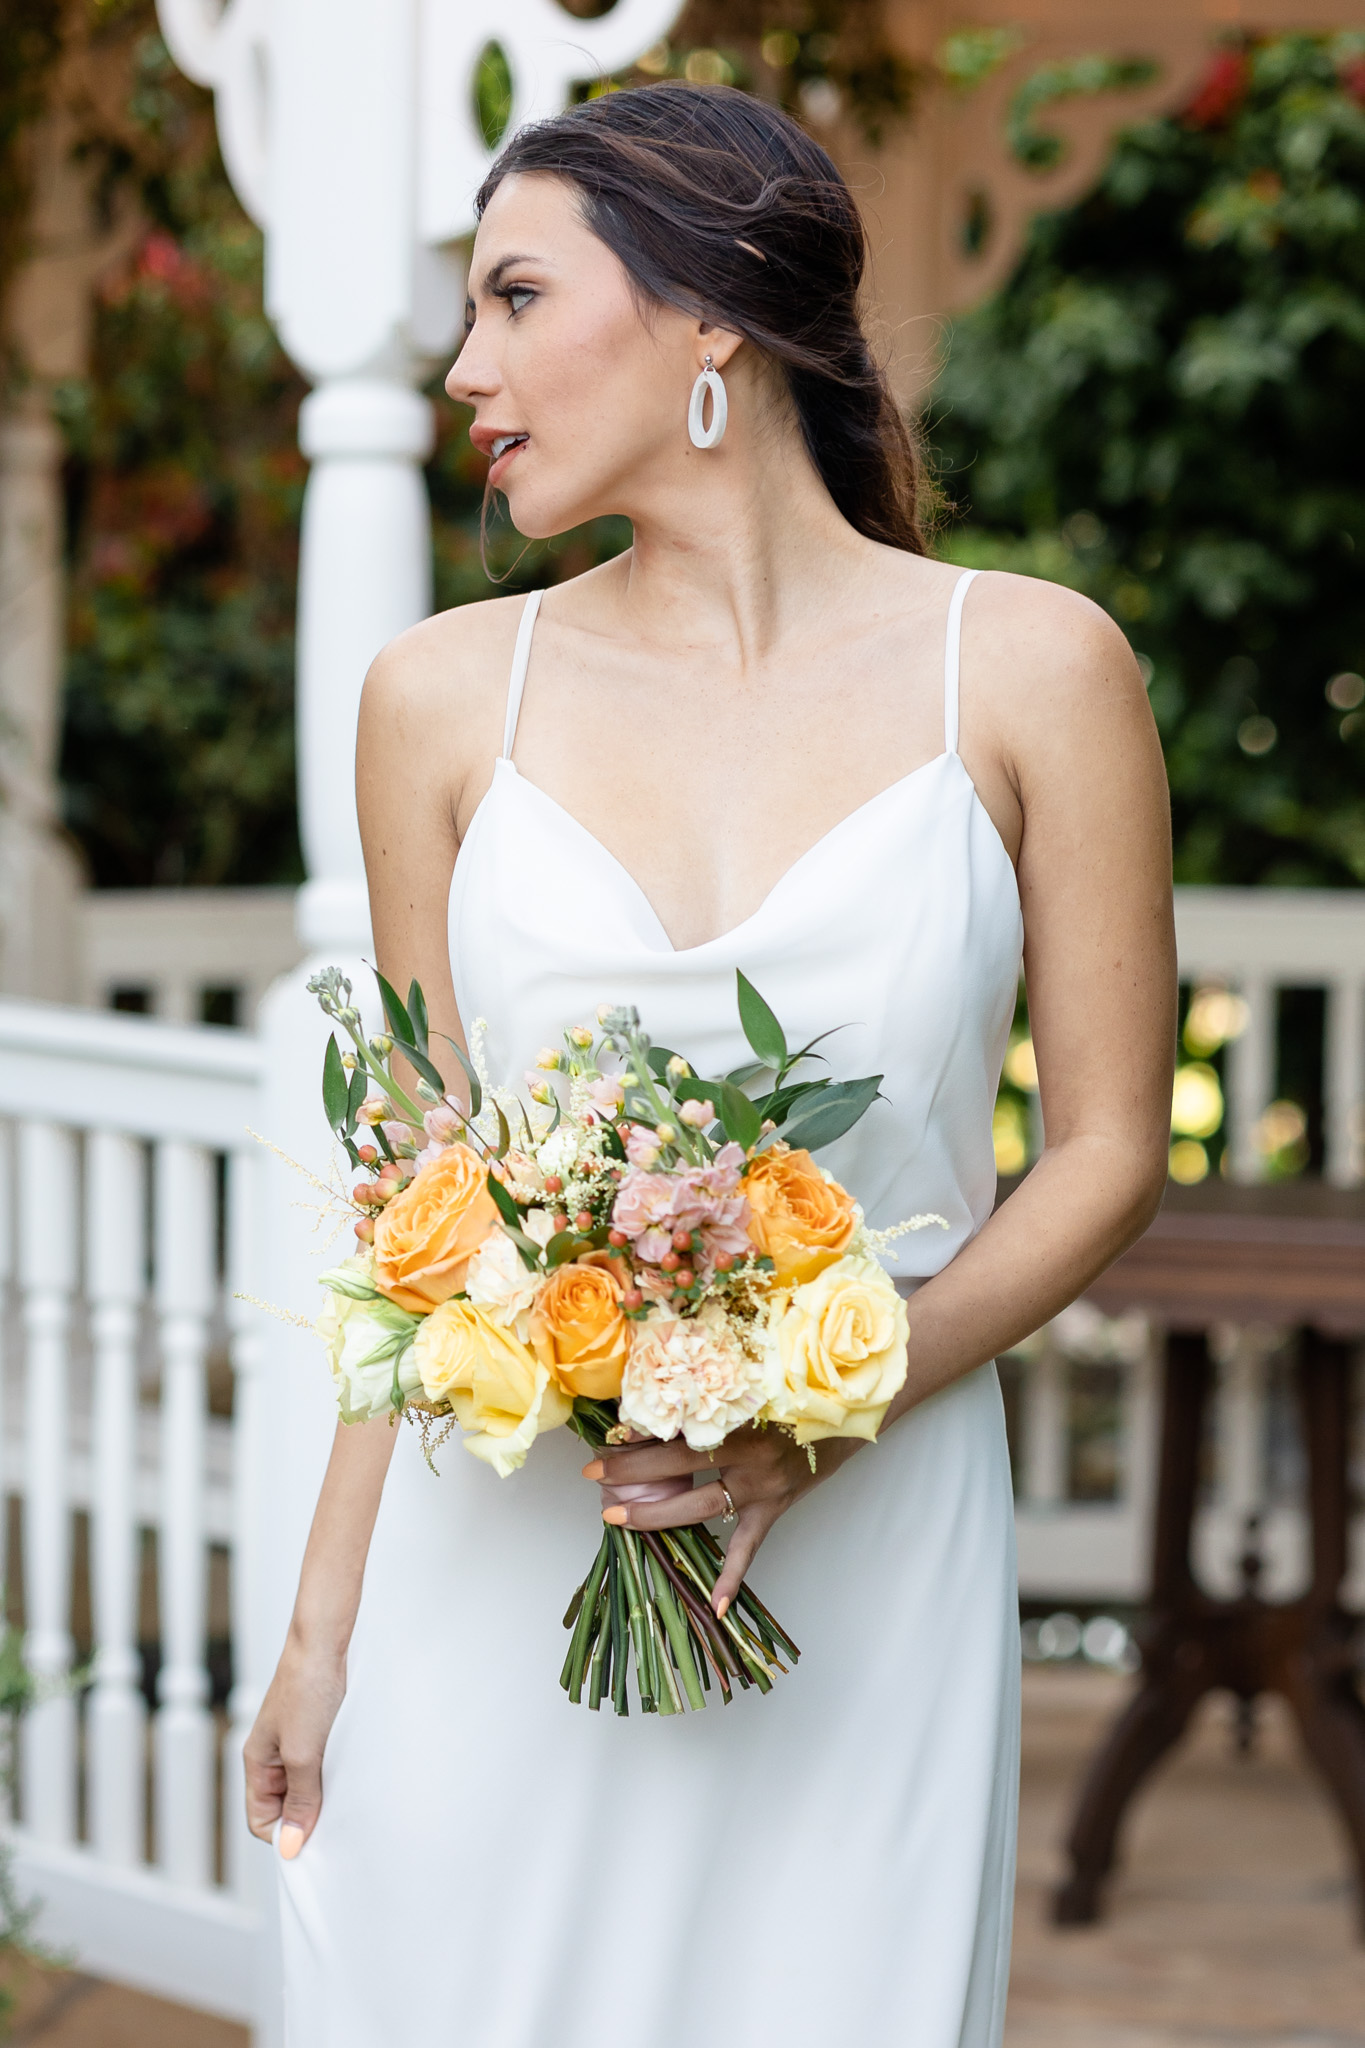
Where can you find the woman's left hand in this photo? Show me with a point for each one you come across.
(762, 1470)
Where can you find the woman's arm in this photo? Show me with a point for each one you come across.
(423, 716)
(283, 1753)
(1080, 787)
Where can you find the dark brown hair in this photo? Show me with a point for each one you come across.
(720, 205)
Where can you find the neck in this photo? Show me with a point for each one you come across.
(737, 550)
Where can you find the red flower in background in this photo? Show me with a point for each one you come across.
(1352, 77)
(1221, 91)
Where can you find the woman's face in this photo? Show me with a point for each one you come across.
(580, 400)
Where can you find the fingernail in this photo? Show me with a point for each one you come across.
(597, 1470)
(722, 1609)
(291, 1841)
(616, 1516)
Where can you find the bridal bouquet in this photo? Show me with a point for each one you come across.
(626, 1249)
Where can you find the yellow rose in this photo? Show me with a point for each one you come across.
(578, 1328)
(798, 1216)
(425, 1238)
(502, 1395)
(841, 1352)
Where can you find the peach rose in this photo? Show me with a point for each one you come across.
(578, 1328)
(800, 1218)
(425, 1238)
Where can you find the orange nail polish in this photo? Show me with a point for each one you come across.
(616, 1516)
(291, 1841)
(597, 1470)
(722, 1609)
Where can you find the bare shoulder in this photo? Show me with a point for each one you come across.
(447, 662)
(1049, 680)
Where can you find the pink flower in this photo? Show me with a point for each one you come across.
(372, 1110)
(644, 1201)
(698, 1114)
(607, 1095)
(642, 1146)
(442, 1124)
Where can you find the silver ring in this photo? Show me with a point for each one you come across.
(731, 1511)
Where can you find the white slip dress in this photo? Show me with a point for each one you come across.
(829, 1866)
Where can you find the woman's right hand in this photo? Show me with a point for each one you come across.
(283, 1753)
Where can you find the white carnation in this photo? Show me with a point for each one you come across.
(690, 1374)
(500, 1282)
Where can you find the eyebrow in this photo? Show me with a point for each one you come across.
(494, 277)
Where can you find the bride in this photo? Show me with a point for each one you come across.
(774, 735)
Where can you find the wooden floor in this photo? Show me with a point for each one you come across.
(1230, 1925)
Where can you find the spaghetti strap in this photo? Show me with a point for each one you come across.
(521, 661)
(952, 660)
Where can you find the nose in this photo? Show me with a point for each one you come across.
(473, 374)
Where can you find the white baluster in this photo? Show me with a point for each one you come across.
(184, 1728)
(1344, 1066)
(248, 1418)
(47, 1267)
(1044, 1427)
(1240, 1421)
(1251, 1078)
(116, 1261)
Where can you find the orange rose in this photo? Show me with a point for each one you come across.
(799, 1218)
(578, 1329)
(425, 1238)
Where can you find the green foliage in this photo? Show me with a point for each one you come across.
(184, 487)
(1082, 77)
(30, 40)
(1165, 407)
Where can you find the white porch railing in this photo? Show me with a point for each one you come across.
(126, 1170)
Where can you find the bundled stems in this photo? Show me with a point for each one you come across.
(646, 1604)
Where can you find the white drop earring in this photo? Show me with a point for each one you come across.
(708, 379)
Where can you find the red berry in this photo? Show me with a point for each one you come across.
(561, 1221)
(682, 1240)
(583, 1220)
(617, 1237)
(725, 1262)
(684, 1277)
(631, 1297)
(553, 1184)
(366, 1154)
(364, 1229)
(670, 1262)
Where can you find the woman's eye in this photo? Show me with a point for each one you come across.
(518, 295)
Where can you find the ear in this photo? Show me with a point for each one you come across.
(720, 343)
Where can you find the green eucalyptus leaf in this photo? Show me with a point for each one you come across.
(355, 1095)
(566, 1245)
(836, 1110)
(333, 1085)
(504, 1133)
(417, 1011)
(657, 1059)
(503, 1202)
(739, 1117)
(475, 1087)
(399, 1022)
(429, 1072)
(742, 1076)
(779, 1105)
(761, 1027)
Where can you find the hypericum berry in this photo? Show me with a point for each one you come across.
(364, 1229)
(683, 1278)
(670, 1262)
(561, 1221)
(553, 1184)
(362, 1194)
(632, 1298)
(682, 1240)
(725, 1262)
(583, 1220)
(618, 1238)
(366, 1154)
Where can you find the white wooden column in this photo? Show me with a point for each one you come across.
(184, 1728)
(116, 1723)
(1251, 1077)
(47, 1272)
(1344, 1073)
(7, 1321)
